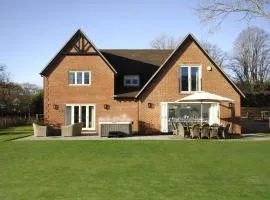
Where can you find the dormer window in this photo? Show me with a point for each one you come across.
(131, 80)
(79, 78)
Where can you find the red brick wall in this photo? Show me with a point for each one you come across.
(165, 88)
(100, 92)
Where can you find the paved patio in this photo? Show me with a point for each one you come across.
(154, 137)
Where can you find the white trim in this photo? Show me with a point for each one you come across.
(87, 115)
(189, 66)
(76, 78)
(131, 78)
(115, 122)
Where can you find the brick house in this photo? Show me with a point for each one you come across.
(85, 84)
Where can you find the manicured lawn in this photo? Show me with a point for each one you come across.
(12, 133)
(134, 170)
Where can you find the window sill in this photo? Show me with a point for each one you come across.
(189, 92)
(79, 85)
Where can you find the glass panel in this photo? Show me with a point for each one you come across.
(71, 78)
(128, 81)
(91, 108)
(86, 77)
(194, 78)
(135, 82)
(76, 114)
(83, 116)
(79, 77)
(185, 112)
(206, 108)
(184, 78)
(68, 115)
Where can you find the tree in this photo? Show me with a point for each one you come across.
(251, 59)
(217, 11)
(169, 42)
(164, 42)
(216, 53)
(4, 75)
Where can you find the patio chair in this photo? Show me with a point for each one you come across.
(71, 130)
(195, 131)
(214, 132)
(40, 131)
(180, 130)
(205, 131)
(220, 132)
(174, 128)
(225, 134)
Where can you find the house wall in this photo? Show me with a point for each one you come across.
(165, 88)
(100, 92)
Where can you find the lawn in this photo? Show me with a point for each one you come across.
(134, 170)
(12, 133)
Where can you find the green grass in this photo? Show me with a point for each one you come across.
(16, 132)
(137, 170)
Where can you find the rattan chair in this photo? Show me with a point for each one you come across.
(214, 132)
(225, 134)
(71, 130)
(195, 131)
(220, 132)
(205, 131)
(174, 128)
(40, 131)
(180, 130)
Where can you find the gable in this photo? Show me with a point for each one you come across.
(77, 45)
(180, 48)
(80, 46)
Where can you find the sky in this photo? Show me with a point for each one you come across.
(32, 32)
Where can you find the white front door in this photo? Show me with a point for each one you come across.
(85, 113)
(214, 114)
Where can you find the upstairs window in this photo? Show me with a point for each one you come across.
(190, 78)
(79, 78)
(131, 80)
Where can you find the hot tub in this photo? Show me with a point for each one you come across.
(116, 129)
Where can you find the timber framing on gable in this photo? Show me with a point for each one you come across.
(77, 45)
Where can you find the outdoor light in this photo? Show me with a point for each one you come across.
(209, 68)
(150, 105)
(106, 106)
(55, 106)
(230, 105)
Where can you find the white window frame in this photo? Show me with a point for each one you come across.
(81, 84)
(80, 117)
(189, 78)
(131, 77)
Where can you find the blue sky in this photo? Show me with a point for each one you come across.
(33, 31)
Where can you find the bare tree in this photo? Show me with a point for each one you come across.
(164, 42)
(169, 42)
(4, 75)
(216, 53)
(251, 60)
(217, 10)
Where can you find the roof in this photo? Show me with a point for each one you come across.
(55, 60)
(143, 62)
(188, 37)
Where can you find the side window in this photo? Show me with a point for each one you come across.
(131, 80)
